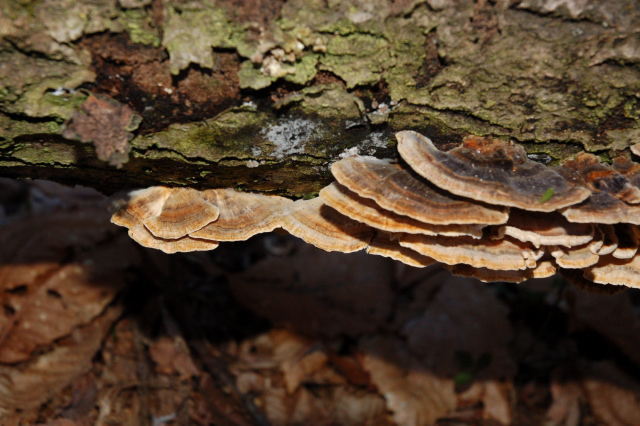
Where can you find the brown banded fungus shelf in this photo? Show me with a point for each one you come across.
(483, 209)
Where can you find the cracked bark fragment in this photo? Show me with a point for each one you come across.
(107, 124)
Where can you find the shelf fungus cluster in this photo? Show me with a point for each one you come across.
(483, 210)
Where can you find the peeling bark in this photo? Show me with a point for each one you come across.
(265, 96)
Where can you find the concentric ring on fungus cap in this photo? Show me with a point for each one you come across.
(367, 211)
(320, 225)
(396, 190)
(183, 212)
(145, 238)
(138, 205)
(242, 214)
(499, 255)
(491, 171)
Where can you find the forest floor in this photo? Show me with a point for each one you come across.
(96, 330)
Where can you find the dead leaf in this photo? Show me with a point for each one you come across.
(44, 300)
(172, 356)
(36, 381)
(414, 394)
(614, 396)
(108, 124)
(565, 408)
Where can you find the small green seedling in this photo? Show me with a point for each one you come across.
(546, 196)
(468, 369)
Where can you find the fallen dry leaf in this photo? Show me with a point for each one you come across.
(415, 395)
(614, 396)
(37, 380)
(171, 355)
(295, 381)
(45, 300)
(565, 408)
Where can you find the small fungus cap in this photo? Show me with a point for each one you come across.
(610, 270)
(499, 255)
(384, 245)
(138, 205)
(628, 238)
(325, 228)
(397, 190)
(242, 214)
(543, 229)
(145, 238)
(543, 269)
(183, 212)
(367, 211)
(491, 171)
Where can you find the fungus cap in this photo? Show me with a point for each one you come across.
(631, 171)
(628, 239)
(578, 257)
(491, 171)
(543, 229)
(602, 207)
(184, 244)
(183, 212)
(325, 228)
(367, 211)
(607, 233)
(383, 245)
(242, 215)
(499, 255)
(397, 190)
(138, 205)
(616, 271)
(543, 269)
(601, 177)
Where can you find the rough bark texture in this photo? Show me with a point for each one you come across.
(263, 96)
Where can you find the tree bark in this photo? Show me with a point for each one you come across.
(264, 96)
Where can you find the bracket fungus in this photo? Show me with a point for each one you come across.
(367, 211)
(242, 214)
(184, 211)
(613, 200)
(491, 171)
(325, 228)
(483, 209)
(397, 190)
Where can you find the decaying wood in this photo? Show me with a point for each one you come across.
(264, 96)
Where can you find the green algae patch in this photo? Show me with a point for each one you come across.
(231, 134)
(304, 69)
(140, 27)
(327, 101)
(251, 77)
(46, 153)
(535, 79)
(192, 30)
(358, 59)
(38, 87)
(11, 127)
